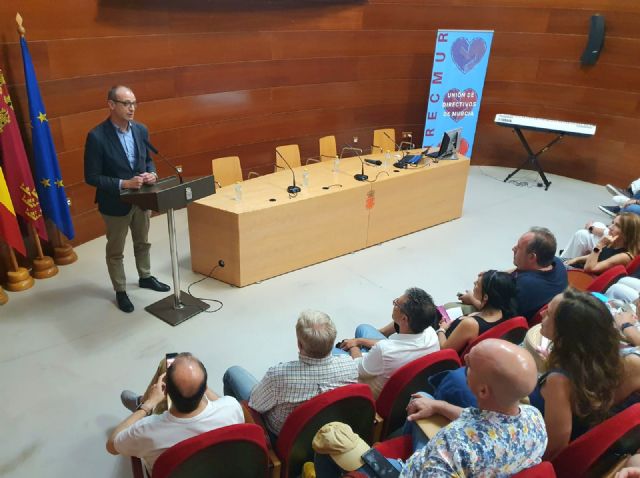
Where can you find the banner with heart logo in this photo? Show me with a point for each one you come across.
(457, 80)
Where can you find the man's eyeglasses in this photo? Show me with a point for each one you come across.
(127, 104)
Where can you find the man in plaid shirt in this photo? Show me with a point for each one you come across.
(288, 384)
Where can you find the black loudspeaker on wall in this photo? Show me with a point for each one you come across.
(595, 41)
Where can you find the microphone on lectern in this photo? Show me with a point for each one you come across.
(293, 188)
(161, 156)
(360, 176)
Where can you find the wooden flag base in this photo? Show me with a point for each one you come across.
(43, 267)
(64, 255)
(19, 280)
(3, 297)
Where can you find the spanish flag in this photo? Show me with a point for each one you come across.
(9, 229)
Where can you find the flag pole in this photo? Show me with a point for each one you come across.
(43, 266)
(63, 253)
(18, 279)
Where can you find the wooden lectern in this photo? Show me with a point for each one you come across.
(168, 195)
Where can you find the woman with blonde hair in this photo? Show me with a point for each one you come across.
(619, 247)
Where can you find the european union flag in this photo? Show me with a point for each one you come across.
(53, 199)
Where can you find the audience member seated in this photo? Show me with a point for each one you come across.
(588, 379)
(618, 248)
(627, 323)
(496, 295)
(194, 410)
(288, 384)
(627, 289)
(627, 200)
(415, 318)
(584, 240)
(498, 438)
(539, 274)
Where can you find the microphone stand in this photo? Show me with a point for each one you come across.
(360, 176)
(293, 189)
(154, 150)
(393, 141)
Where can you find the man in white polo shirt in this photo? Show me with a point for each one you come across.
(194, 410)
(415, 319)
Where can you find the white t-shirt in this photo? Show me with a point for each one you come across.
(387, 356)
(149, 437)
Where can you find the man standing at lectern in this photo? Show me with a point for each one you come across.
(116, 158)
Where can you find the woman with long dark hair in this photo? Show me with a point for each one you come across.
(587, 380)
(496, 292)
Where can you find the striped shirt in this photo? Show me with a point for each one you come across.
(288, 384)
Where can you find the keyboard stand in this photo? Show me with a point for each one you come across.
(533, 158)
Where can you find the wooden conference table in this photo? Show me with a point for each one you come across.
(268, 232)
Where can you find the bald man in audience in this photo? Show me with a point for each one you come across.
(194, 409)
(498, 438)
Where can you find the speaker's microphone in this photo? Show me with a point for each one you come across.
(377, 162)
(154, 150)
(293, 188)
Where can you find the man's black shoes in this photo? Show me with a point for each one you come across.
(153, 284)
(124, 304)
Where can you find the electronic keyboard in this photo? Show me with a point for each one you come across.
(547, 125)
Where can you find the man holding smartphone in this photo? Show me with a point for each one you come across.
(194, 409)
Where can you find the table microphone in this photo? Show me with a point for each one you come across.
(293, 189)
(154, 150)
(398, 148)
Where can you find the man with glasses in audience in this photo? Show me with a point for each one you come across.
(116, 158)
(410, 335)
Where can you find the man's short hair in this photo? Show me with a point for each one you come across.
(111, 94)
(185, 404)
(316, 332)
(543, 245)
(420, 310)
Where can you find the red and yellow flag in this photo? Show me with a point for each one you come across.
(16, 166)
(9, 229)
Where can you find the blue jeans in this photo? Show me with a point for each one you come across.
(238, 382)
(363, 331)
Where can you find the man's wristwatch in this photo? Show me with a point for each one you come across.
(596, 249)
(626, 325)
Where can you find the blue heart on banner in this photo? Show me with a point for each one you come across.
(467, 55)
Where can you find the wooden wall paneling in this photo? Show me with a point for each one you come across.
(537, 45)
(350, 43)
(11, 57)
(72, 19)
(519, 69)
(207, 48)
(446, 16)
(88, 226)
(613, 77)
(576, 98)
(618, 23)
(305, 17)
(94, 56)
(395, 66)
(346, 95)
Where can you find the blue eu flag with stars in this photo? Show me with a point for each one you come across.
(48, 179)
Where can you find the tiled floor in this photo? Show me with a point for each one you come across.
(66, 351)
